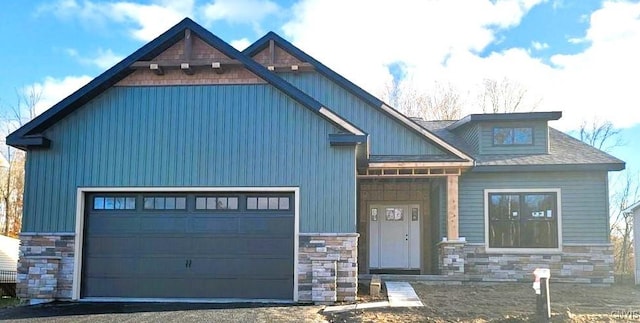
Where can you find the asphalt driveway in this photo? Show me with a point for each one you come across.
(160, 312)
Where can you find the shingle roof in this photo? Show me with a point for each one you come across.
(565, 152)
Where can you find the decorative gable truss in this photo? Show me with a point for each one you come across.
(185, 54)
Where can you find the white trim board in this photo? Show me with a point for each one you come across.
(80, 199)
(488, 249)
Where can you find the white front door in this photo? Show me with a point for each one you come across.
(394, 236)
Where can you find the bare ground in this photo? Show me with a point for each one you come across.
(508, 302)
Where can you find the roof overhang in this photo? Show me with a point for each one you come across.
(514, 116)
(345, 139)
(548, 168)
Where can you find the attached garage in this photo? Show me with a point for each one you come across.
(188, 245)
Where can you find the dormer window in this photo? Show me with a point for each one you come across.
(505, 136)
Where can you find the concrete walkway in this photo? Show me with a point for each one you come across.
(400, 294)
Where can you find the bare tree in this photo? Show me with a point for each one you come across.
(442, 102)
(622, 224)
(12, 173)
(505, 96)
(600, 134)
(604, 136)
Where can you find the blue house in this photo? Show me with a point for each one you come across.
(191, 170)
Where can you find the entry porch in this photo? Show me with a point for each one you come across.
(408, 221)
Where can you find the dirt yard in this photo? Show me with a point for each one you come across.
(508, 302)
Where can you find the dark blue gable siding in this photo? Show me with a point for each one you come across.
(232, 135)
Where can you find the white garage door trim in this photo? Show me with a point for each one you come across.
(80, 198)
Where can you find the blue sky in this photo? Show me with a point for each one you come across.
(576, 56)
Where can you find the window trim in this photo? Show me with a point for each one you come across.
(513, 129)
(557, 191)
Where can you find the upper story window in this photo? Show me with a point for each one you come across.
(523, 219)
(503, 136)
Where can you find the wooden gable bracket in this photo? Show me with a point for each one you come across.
(186, 53)
(157, 69)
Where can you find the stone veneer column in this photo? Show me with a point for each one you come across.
(451, 258)
(327, 267)
(45, 266)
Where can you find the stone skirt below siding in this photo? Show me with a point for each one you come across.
(45, 266)
(574, 264)
(327, 267)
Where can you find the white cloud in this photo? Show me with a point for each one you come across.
(240, 44)
(438, 41)
(106, 58)
(53, 90)
(420, 34)
(150, 20)
(539, 46)
(103, 59)
(240, 11)
(145, 21)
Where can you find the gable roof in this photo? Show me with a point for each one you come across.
(357, 91)
(30, 134)
(566, 153)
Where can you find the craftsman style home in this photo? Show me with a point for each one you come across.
(191, 170)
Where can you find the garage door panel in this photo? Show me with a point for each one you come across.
(101, 266)
(242, 245)
(160, 245)
(244, 288)
(163, 223)
(163, 267)
(108, 223)
(213, 224)
(188, 253)
(271, 225)
(229, 267)
(110, 245)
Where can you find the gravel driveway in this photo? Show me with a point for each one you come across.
(161, 312)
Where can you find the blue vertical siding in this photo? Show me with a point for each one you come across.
(232, 135)
(584, 201)
(387, 135)
(540, 138)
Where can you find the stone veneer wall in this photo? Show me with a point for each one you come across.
(327, 267)
(575, 264)
(45, 267)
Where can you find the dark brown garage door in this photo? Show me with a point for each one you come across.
(177, 245)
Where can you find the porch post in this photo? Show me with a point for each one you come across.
(452, 208)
